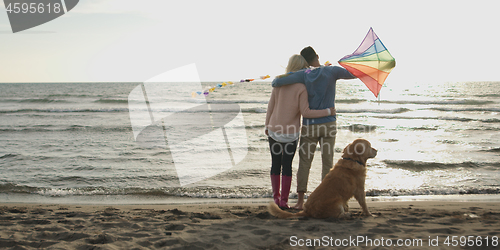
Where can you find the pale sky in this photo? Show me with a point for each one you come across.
(125, 40)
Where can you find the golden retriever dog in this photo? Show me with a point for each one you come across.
(345, 180)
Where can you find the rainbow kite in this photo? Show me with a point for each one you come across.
(371, 62)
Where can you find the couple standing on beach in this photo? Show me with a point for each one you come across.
(308, 89)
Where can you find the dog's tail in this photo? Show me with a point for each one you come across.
(277, 212)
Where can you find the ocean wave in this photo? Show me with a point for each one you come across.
(60, 95)
(379, 111)
(438, 102)
(350, 101)
(360, 128)
(35, 100)
(18, 189)
(25, 130)
(113, 110)
(21, 157)
(488, 95)
(98, 128)
(193, 192)
(236, 102)
(493, 150)
(425, 129)
(239, 101)
(449, 142)
(83, 159)
(5, 156)
(489, 109)
(433, 191)
(254, 126)
(425, 166)
(484, 129)
(210, 192)
(444, 118)
(447, 118)
(246, 110)
(491, 120)
(74, 95)
(69, 129)
(121, 101)
(255, 110)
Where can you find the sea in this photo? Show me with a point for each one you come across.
(75, 143)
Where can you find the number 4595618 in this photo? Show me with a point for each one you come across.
(34, 8)
(471, 241)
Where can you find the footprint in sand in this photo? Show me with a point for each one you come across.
(175, 227)
(445, 231)
(260, 232)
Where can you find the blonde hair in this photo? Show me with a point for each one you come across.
(296, 62)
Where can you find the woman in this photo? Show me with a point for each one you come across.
(286, 105)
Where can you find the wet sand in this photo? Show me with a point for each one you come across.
(414, 224)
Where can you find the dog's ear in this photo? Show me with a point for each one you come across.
(347, 151)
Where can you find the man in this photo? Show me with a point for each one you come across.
(320, 84)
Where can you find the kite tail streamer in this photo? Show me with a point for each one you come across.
(211, 89)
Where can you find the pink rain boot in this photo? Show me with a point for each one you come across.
(275, 183)
(286, 183)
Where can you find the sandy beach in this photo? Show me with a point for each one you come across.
(398, 224)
